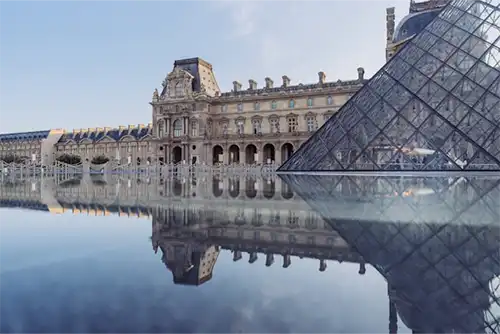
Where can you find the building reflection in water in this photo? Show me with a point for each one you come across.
(435, 240)
(191, 239)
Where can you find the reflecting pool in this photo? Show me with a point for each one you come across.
(310, 254)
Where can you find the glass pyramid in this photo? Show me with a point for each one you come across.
(434, 106)
(435, 240)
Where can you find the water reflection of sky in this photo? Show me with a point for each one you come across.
(99, 274)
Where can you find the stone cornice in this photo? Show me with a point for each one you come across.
(295, 91)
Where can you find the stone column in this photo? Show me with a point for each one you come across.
(186, 124)
(168, 124)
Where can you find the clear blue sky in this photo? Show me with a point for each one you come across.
(95, 63)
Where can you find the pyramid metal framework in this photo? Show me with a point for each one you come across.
(434, 106)
(442, 265)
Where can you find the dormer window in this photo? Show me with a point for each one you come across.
(274, 105)
(240, 107)
(178, 89)
(310, 102)
(256, 106)
(291, 104)
(329, 100)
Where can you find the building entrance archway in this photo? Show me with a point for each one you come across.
(234, 154)
(269, 154)
(176, 155)
(217, 154)
(251, 154)
(286, 151)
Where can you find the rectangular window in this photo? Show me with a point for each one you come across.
(292, 124)
(311, 124)
(194, 129)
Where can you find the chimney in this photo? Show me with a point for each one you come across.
(286, 81)
(361, 73)
(390, 22)
(252, 84)
(91, 129)
(269, 83)
(100, 129)
(321, 77)
(236, 86)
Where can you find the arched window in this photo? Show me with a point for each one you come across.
(274, 105)
(329, 100)
(178, 128)
(291, 104)
(310, 102)
(178, 89)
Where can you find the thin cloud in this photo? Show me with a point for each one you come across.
(242, 14)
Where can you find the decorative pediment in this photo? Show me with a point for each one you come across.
(290, 115)
(69, 142)
(309, 114)
(274, 116)
(240, 119)
(85, 141)
(127, 138)
(146, 137)
(257, 117)
(179, 73)
(105, 140)
(177, 84)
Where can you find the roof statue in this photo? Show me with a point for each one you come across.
(434, 106)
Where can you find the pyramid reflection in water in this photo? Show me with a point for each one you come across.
(436, 241)
(434, 106)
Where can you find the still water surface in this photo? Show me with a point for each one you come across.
(303, 254)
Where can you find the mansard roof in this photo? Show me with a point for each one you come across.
(21, 136)
(114, 134)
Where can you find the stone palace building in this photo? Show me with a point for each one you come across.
(194, 122)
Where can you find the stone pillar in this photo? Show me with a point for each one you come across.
(168, 124)
(186, 125)
(168, 153)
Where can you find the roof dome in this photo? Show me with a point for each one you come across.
(412, 24)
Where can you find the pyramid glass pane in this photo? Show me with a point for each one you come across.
(435, 106)
(438, 252)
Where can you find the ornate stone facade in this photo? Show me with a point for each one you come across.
(194, 122)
